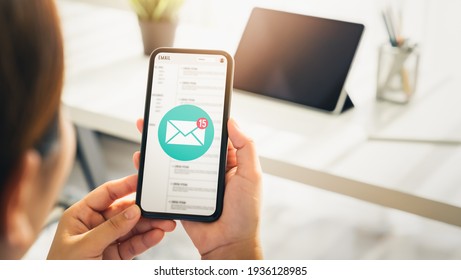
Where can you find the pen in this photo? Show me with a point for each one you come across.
(389, 28)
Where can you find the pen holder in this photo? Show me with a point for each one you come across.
(397, 73)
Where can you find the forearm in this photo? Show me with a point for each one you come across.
(244, 250)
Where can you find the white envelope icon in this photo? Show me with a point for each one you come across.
(184, 133)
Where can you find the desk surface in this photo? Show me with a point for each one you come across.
(404, 157)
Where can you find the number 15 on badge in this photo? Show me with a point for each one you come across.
(202, 123)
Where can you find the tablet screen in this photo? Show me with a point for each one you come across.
(297, 58)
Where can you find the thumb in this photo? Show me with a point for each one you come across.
(247, 159)
(114, 228)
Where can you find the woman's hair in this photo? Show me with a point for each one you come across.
(31, 78)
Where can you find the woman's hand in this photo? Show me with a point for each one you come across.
(105, 226)
(235, 235)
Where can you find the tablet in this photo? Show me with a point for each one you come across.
(297, 58)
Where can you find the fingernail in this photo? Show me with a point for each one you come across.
(234, 122)
(131, 212)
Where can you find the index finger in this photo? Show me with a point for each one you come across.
(103, 196)
(140, 124)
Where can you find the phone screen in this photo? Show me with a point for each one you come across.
(184, 145)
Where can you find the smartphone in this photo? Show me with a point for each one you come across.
(184, 139)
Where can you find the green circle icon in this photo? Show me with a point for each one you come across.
(185, 132)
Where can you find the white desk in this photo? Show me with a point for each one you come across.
(105, 91)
